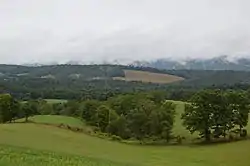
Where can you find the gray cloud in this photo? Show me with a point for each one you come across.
(105, 30)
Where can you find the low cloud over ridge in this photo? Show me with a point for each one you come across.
(127, 30)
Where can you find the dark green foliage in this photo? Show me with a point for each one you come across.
(216, 113)
(198, 116)
(45, 108)
(123, 103)
(162, 121)
(9, 108)
(57, 108)
(119, 127)
(131, 115)
(116, 138)
(104, 116)
(239, 108)
(88, 110)
(144, 116)
(29, 108)
(71, 108)
(139, 119)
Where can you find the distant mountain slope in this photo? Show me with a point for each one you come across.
(70, 81)
(78, 81)
(218, 63)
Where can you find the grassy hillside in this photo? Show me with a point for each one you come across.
(144, 76)
(34, 144)
(56, 119)
(178, 127)
(48, 146)
(52, 101)
(29, 157)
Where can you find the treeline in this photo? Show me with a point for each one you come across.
(139, 116)
(80, 82)
(214, 114)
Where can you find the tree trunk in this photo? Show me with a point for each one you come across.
(26, 118)
(224, 133)
(207, 135)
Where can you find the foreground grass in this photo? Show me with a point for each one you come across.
(52, 146)
(13, 156)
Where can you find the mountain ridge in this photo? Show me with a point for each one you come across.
(223, 62)
(216, 63)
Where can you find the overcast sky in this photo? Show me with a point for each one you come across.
(97, 30)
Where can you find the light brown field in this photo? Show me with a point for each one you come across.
(144, 76)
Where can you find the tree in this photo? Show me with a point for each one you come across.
(15, 111)
(8, 108)
(198, 115)
(222, 115)
(167, 116)
(157, 96)
(139, 118)
(45, 108)
(124, 103)
(71, 108)
(88, 110)
(216, 112)
(29, 108)
(239, 107)
(57, 108)
(119, 127)
(104, 116)
(162, 121)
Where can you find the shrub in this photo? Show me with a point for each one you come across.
(243, 133)
(116, 138)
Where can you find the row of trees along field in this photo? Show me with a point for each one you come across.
(214, 114)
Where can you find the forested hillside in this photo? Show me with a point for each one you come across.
(97, 81)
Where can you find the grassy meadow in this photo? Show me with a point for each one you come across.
(52, 101)
(33, 144)
(43, 141)
(144, 76)
(55, 120)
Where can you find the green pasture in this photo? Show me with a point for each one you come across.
(41, 145)
(43, 141)
(55, 120)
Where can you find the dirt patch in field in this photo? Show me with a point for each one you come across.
(144, 76)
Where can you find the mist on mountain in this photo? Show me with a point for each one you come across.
(216, 63)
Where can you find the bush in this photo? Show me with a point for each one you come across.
(243, 133)
(96, 129)
(116, 138)
(76, 129)
(86, 130)
(61, 125)
(68, 127)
